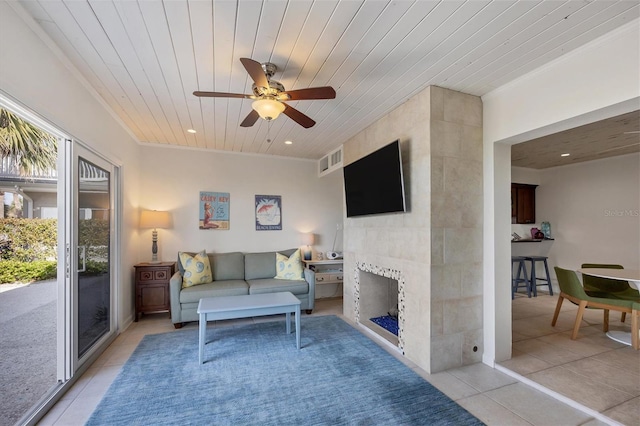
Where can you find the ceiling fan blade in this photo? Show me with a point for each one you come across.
(325, 92)
(255, 71)
(221, 95)
(250, 119)
(298, 117)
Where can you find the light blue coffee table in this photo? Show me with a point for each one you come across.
(250, 305)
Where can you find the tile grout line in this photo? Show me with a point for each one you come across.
(568, 401)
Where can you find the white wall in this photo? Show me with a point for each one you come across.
(33, 76)
(596, 81)
(594, 211)
(173, 178)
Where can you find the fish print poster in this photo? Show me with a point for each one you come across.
(268, 213)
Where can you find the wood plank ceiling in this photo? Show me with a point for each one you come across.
(145, 58)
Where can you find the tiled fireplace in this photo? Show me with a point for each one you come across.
(434, 250)
(380, 294)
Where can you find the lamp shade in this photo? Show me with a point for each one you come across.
(155, 219)
(269, 109)
(307, 239)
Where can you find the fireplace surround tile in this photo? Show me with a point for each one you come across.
(437, 244)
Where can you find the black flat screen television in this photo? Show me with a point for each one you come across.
(374, 184)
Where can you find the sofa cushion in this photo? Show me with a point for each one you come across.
(180, 267)
(289, 268)
(262, 265)
(197, 269)
(214, 289)
(227, 266)
(272, 285)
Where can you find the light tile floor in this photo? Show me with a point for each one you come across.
(592, 370)
(492, 396)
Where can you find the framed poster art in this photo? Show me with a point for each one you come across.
(268, 213)
(214, 210)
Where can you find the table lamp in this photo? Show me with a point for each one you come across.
(155, 219)
(307, 240)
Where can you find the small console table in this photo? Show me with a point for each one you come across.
(152, 287)
(326, 271)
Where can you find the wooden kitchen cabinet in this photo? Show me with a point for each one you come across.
(523, 203)
(152, 287)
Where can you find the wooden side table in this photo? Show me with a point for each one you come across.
(152, 287)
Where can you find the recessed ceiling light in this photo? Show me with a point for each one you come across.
(288, 143)
(191, 131)
(565, 155)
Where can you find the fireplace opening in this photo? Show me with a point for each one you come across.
(378, 305)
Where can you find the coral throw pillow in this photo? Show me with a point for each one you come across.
(197, 269)
(289, 268)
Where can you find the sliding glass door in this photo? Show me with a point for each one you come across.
(55, 212)
(92, 242)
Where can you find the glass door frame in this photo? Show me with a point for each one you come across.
(75, 152)
(68, 367)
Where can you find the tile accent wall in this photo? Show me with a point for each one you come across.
(437, 243)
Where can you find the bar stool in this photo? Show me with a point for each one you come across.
(534, 280)
(521, 276)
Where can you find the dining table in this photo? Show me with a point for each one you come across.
(630, 275)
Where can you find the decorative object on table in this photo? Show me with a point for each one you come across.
(320, 255)
(268, 212)
(155, 219)
(515, 237)
(536, 234)
(333, 254)
(214, 210)
(307, 242)
(546, 230)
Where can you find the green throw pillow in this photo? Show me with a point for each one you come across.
(289, 268)
(197, 269)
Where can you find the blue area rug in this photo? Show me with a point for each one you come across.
(254, 375)
(387, 322)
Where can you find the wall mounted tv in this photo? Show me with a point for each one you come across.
(374, 184)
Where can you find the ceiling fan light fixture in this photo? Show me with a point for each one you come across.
(268, 109)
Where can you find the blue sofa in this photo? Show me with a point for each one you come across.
(236, 274)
